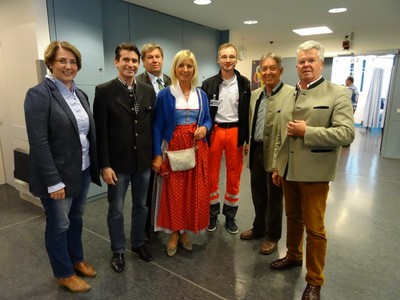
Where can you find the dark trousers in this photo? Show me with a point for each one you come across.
(267, 198)
(149, 225)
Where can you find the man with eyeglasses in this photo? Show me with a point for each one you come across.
(314, 124)
(229, 96)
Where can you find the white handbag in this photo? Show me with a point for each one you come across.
(182, 160)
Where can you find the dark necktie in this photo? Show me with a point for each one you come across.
(160, 85)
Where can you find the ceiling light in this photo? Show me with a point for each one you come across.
(337, 10)
(312, 30)
(202, 2)
(250, 22)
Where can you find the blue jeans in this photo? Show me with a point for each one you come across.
(115, 219)
(64, 230)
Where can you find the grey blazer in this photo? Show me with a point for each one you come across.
(272, 112)
(55, 148)
(327, 110)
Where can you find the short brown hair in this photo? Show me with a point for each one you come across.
(51, 52)
(227, 45)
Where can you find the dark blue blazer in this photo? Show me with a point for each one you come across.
(55, 147)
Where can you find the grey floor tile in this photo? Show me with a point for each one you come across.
(362, 260)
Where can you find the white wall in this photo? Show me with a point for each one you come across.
(21, 23)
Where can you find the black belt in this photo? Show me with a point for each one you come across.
(227, 125)
(254, 143)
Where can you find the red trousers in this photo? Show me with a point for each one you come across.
(225, 140)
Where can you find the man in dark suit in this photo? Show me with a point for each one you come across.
(153, 59)
(123, 111)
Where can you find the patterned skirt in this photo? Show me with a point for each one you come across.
(185, 196)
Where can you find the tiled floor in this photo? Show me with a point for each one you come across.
(363, 258)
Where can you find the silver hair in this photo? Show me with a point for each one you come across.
(273, 56)
(312, 45)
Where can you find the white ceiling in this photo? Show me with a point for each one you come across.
(277, 18)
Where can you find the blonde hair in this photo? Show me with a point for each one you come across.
(150, 47)
(178, 58)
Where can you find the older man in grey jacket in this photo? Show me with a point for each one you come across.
(265, 106)
(315, 123)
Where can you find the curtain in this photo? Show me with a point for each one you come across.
(373, 101)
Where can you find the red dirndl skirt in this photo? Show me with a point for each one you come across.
(185, 195)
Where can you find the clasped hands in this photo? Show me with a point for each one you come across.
(296, 128)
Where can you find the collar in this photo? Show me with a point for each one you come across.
(313, 84)
(275, 90)
(60, 85)
(153, 78)
(130, 87)
(220, 79)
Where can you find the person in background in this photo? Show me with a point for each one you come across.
(181, 118)
(314, 123)
(123, 111)
(229, 96)
(354, 92)
(265, 106)
(153, 60)
(63, 161)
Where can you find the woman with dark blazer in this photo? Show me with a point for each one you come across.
(63, 161)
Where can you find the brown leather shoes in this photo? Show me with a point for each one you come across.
(84, 269)
(285, 263)
(250, 235)
(312, 292)
(74, 284)
(268, 247)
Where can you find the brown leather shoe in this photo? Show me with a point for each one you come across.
(268, 247)
(285, 263)
(250, 235)
(85, 269)
(74, 284)
(312, 292)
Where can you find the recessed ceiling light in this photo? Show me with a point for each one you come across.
(312, 30)
(202, 2)
(337, 10)
(250, 22)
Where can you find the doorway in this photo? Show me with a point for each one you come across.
(372, 76)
